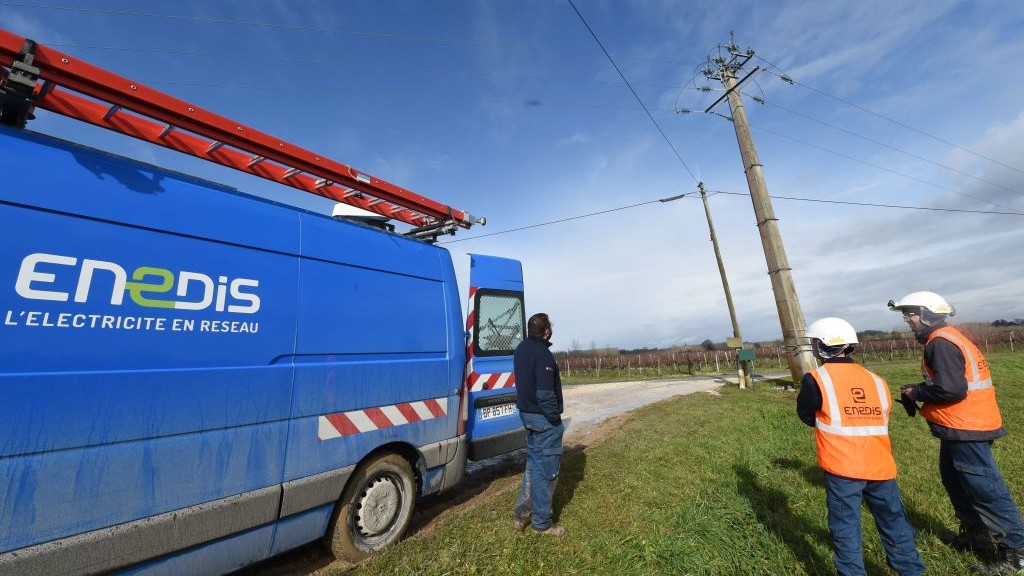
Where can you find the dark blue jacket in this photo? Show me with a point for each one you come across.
(538, 383)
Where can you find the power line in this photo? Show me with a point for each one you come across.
(386, 35)
(891, 147)
(876, 205)
(789, 198)
(873, 165)
(635, 95)
(790, 80)
(559, 221)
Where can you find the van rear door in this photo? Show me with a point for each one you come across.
(496, 324)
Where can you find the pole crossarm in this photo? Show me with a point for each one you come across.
(74, 88)
(730, 90)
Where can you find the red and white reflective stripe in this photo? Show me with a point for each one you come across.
(476, 381)
(470, 322)
(367, 420)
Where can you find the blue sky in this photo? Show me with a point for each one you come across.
(510, 110)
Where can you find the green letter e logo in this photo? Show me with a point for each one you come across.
(135, 289)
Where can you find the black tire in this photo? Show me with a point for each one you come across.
(374, 510)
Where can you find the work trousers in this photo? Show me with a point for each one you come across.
(979, 495)
(844, 497)
(543, 459)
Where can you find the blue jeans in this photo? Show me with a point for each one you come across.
(979, 495)
(543, 459)
(844, 497)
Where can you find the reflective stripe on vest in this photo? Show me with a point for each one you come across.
(977, 411)
(852, 426)
(971, 371)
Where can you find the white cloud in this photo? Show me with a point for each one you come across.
(574, 140)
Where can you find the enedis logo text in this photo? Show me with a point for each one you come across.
(145, 282)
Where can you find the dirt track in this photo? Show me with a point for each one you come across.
(590, 412)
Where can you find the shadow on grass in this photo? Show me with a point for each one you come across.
(772, 509)
(922, 521)
(574, 464)
(918, 519)
(812, 474)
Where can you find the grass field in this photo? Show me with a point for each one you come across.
(710, 484)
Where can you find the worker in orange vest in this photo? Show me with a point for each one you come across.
(960, 407)
(849, 406)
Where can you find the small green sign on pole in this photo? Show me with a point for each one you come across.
(745, 354)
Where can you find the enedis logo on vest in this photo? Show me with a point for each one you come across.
(42, 276)
(860, 397)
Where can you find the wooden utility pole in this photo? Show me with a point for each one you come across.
(791, 317)
(743, 370)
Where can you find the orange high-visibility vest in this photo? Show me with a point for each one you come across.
(852, 426)
(978, 411)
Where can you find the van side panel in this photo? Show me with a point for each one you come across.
(182, 365)
(106, 421)
(373, 338)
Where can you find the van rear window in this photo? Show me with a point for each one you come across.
(500, 323)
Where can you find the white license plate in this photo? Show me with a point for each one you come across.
(488, 412)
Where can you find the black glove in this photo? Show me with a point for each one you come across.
(909, 405)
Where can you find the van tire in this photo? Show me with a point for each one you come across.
(374, 510)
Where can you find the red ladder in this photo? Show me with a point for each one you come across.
(85, 92)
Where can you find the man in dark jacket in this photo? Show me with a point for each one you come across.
(539, 398)
(960, 407)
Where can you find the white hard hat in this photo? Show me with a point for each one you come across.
(929, 301)
(833, 332)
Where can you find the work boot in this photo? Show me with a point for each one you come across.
(1009, 562)
(520, 524)
(967, 539)
(553, 530)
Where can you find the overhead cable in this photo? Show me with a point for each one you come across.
(635, 95)
(790, 80)
(873, 165)
(559, 221)
(889, 146)
(789, 198)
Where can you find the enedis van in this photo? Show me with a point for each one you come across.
(195, 379)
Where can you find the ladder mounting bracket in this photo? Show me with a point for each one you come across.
(17, 87)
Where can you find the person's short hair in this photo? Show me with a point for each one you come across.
(537, 325)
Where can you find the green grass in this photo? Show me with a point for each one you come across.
(708, 484)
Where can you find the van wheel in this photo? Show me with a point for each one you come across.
(374, 510)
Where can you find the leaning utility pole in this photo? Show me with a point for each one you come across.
(790, 316)
(744, 368)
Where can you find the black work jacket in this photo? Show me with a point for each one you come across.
(538, 383)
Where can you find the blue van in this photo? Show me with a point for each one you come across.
(195, 379)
